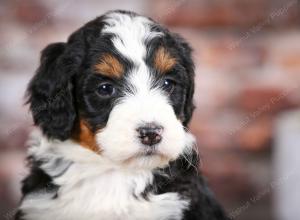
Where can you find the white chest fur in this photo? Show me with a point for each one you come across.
(92, 188)
(86, 193)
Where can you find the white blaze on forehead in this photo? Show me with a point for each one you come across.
(131, 34)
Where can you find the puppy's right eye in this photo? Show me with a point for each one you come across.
(106, 90)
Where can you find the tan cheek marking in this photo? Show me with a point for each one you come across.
(109, 66)
(86, 137)
(163, 61)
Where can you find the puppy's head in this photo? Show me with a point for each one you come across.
(121, 86)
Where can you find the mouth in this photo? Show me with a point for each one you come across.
(147, 153)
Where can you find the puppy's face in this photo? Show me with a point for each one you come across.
(127, 91)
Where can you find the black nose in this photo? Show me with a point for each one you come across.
(150, 134)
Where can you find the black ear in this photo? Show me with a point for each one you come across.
(188, 64)
(50, 93)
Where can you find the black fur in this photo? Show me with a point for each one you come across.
(185, 178)
(50, 93)
(36, 181)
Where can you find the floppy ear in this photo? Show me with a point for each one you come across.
(50, 93)
(188, 64)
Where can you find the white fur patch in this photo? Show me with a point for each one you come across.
(132, 32)
(93, 188)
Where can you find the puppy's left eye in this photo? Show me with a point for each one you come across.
(106, 90)
(168, 85)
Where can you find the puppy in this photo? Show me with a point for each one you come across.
(113, 104)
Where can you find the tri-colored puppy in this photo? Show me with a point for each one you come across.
(113, 104)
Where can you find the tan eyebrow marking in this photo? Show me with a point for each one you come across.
(109, 66)
(163, 61)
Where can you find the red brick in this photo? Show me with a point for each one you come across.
(227, 174)
(226, 13)
(291, 61)
(263, 100)
(256, 135)
(30, 11)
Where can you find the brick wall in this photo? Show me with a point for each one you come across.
(247, 57)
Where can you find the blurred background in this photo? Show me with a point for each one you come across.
(247, 121)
